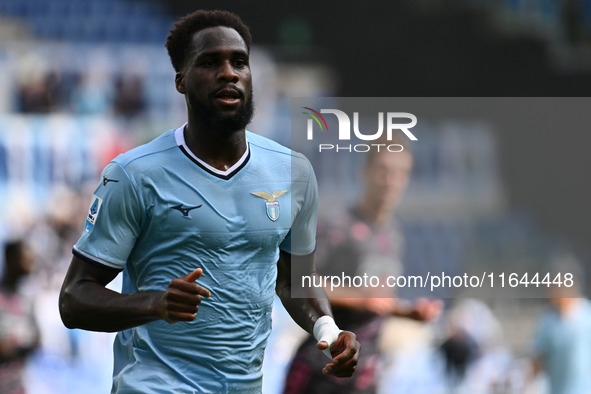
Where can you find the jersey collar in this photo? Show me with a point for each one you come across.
(179, 137)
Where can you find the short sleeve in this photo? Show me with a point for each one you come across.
(113, 220)
(301, 239)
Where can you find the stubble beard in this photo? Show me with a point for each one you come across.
(223, 124)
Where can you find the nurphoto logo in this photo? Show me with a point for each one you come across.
(391, 119)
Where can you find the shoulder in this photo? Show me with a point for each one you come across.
(148, 153)
(271, 150)
(274, 149)
(267, 144)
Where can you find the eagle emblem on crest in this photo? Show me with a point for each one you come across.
(271, 202)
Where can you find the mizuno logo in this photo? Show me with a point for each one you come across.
(185, 210)
(107, 180)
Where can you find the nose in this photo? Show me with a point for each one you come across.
(227, 72)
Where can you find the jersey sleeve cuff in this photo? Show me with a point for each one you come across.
(95, 260)
(298, 253)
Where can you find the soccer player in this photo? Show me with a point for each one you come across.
(364, 240)
(205, 221)
(563, 335)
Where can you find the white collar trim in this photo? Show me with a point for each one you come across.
(179, 137)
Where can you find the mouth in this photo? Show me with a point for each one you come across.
(228, 96)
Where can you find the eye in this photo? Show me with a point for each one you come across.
(206, 62)
(240, 63)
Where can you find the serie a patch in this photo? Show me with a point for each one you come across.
(93, 211)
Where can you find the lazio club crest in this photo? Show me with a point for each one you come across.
(271, 202)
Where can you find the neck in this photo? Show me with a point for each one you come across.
(218, 149)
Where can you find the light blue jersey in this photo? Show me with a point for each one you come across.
(159, 213)
(563, 343)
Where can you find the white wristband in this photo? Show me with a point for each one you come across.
(325, 330)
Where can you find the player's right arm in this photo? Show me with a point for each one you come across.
(114, 220)
(86, 303)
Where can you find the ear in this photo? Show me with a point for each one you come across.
(179, 81)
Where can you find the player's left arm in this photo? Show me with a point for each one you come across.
(313, 314)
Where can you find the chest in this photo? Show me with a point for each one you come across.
(252, 211)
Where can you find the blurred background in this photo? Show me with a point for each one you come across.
(82, 81)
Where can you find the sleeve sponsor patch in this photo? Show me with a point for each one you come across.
(93, 211)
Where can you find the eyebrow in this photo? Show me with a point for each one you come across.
(237, 52)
